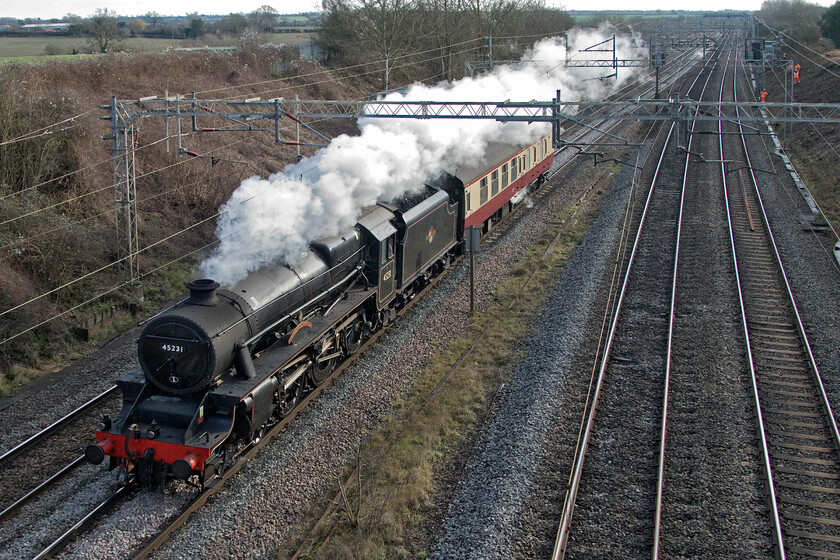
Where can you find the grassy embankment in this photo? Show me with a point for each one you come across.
(813, 149)
(383, 511)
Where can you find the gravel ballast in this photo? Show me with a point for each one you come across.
(482, 518)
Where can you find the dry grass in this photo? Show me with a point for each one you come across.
(56, 245)
(813, 148)
(382, 515)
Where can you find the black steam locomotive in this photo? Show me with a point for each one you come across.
(218, 366)
(222, 365)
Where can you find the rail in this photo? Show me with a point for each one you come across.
(29, 442)
(574, 484)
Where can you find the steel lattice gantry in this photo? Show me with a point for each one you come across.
(247, 111)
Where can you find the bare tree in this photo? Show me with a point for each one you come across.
(264, 18)
(102, 30)
(386, 25)
(154, 19)
(354, 31)
(445, 21)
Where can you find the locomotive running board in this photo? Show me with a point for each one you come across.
(279, 357)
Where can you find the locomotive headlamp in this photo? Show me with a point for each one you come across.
(154, 430)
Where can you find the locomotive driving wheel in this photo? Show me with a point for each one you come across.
(353, 336)
(287, 399)
(320, 371)
(326, 359)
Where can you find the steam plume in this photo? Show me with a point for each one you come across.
(272, 220)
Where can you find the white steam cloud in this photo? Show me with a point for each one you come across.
(272, 220)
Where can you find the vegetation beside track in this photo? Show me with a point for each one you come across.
(813, 149)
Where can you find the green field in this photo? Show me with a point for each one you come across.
(35, 49)
(11, 47)
(289, 38)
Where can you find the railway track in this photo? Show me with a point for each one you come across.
(624, 480)
(320, 532)
(800, 440)
(218, 483)
(20, 459)
(84, 523)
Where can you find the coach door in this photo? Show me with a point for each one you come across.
(386, 271)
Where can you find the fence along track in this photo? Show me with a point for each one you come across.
(796, 424)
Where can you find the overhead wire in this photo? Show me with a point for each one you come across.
(778, 174)
(103, 294)
(94, 216)
(369, 72)
(813, 125)
(361, 64)
(44, 130)
(777, 33)
(88, 167)
(116, 262)
(105, 267)
(111, 186)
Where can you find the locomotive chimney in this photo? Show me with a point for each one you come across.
(202, 292)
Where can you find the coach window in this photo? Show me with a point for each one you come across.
(483, 190)
(494, 182)
(513, 170)
(505, 182)
(468, 201)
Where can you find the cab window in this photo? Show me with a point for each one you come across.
(387, 250)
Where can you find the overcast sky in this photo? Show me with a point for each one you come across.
(57, 9)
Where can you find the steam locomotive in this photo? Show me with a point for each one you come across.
(222, 365)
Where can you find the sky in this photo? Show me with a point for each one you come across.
(46, 9)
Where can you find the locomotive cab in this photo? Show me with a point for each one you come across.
(380, 260)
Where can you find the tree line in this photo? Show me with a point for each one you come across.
(803, 20)
(105, 30)
(440, 35)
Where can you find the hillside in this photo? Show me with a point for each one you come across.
(814, 148)
(58, 241)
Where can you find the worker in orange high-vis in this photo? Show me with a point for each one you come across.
(763, 96)
(796, 73)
